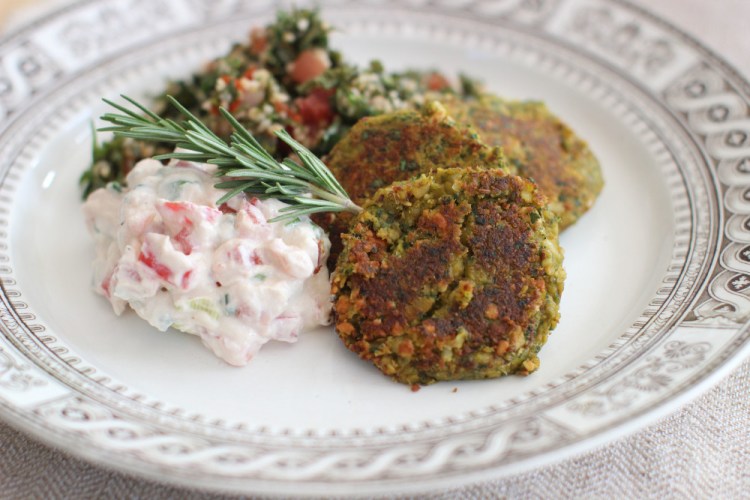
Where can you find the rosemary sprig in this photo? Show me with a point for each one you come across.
(243, 163)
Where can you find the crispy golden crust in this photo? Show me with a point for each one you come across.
(540, 147)
(380, 150)
(455, 275)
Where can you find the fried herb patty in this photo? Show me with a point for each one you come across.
(382, 149)
(538, 146)
(452, 275)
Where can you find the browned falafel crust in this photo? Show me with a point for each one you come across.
(453, 275)
(538, 146)
(380, 150)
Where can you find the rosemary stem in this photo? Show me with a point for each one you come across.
(243, 161)
(346, 203)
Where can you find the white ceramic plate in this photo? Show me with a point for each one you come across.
(655, 307)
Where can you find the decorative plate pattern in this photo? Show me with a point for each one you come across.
(684, 110)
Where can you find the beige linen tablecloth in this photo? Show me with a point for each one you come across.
(701, 451)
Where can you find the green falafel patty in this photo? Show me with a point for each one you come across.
(396, 146)
(538, 146)
(452, 275)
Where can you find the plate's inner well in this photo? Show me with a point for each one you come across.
(615, 257)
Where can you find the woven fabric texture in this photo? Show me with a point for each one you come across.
(702, 451)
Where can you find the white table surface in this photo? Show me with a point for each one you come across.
(702, 450)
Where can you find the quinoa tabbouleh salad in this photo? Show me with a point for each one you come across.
(286, 76)
(449, 266)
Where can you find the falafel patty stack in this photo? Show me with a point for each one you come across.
(538, 146)
(454, 275)
(396, 146)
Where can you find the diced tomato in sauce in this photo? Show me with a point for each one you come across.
(160, 269)
(186, 279)
(183, 237)
(226, 209)
(106, 284)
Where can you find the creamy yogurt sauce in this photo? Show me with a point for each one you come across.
(164, 248)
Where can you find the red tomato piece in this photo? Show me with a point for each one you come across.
(315, 108)
(160, 269)
(309, 64)
(183, 237)
(106, 283)
(258, 40)
(436, 82)
(226, 209)
(186, 279)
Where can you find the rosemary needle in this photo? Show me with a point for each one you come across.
(307, 187)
